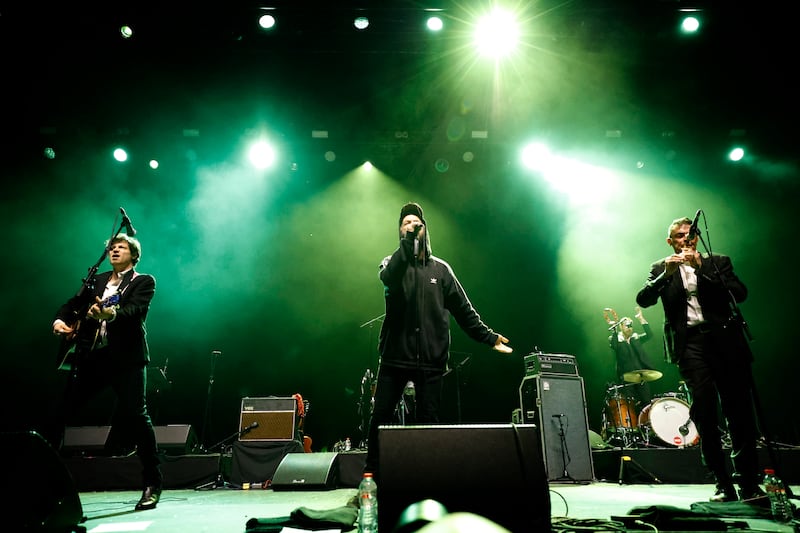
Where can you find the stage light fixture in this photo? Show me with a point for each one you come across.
(434, 23)
(266, 22)
(361, 22)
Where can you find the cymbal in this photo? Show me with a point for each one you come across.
(637, 376)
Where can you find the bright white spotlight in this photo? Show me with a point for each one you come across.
(266, 21)
(434, 23)
(262, 155)
(536, 156)
(497, 34)
(690, 24)
(736, 154)
(120, 155)
(361, 23)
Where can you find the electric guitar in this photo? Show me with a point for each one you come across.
(83, 338)
(302, 411)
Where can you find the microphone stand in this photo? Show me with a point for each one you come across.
(64, 361)
(214, 355)
(565, 476)
(737, 316)
(219, 482)
(457, 369)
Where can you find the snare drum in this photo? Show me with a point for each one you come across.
(668, 419)
(621, 412)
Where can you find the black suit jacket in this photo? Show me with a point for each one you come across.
(718, 288)
(126, 334)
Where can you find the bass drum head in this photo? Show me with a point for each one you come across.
(667, 419)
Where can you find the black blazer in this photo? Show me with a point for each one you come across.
(718, 288)
(126, 334)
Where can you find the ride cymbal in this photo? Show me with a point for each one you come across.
(637, 376)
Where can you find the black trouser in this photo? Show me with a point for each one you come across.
(95, 373)
(390, 386)
(717, 369)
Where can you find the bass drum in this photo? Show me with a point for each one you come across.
(667, 419)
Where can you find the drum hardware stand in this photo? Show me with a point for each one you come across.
(565, 476)
(628, 459)
(219, 482)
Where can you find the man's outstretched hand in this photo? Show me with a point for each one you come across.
(502, 345)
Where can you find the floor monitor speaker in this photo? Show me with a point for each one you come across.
(557, 405)
(176, 439)
(466, 468)
(306, 471)
(81, 439)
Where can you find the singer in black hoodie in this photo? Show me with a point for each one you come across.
(422, 293)
(707, 341)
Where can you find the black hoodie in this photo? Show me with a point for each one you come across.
(421, 295)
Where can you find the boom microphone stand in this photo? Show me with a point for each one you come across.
(214, 355)
(565, 458)
(457, 368)
(219, 482)
(738, 318)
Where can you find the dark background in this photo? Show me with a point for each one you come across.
(277, 269)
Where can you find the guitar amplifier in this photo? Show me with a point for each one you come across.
(268, 419)
(558, 364)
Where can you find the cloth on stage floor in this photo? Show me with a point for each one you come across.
(343, 518)
(734, 509)
(670, 518)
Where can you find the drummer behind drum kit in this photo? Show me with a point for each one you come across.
(663, 422)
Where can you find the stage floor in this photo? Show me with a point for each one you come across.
(584, 507)
(666, 480)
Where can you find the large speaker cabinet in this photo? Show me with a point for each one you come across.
(469, 468)
(557, 405)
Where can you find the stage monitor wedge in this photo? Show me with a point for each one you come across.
(32, 505)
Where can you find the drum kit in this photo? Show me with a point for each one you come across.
(663, 422)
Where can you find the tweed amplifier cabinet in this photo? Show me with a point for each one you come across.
(550, 364)
(268, 419)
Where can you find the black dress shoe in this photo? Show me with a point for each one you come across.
(724, 493)
(149, 499)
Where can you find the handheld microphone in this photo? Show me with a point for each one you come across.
(684, 429)
(693, 231)
(129, 229)
(418, 228)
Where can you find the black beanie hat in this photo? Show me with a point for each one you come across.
(411, 208)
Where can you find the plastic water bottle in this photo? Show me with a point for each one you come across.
(367, 504)
(778, 500)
